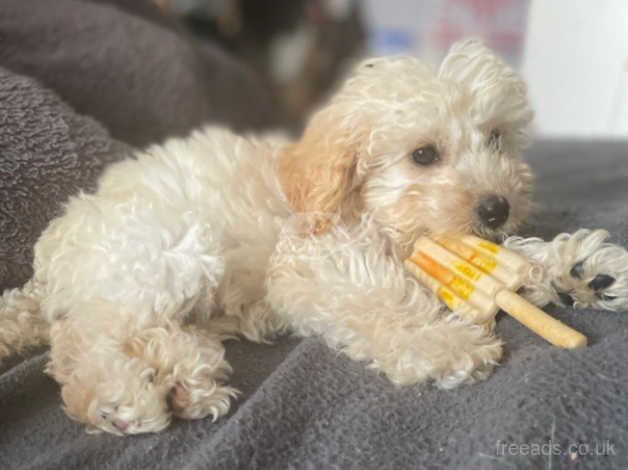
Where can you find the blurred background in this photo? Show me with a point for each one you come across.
(573, 54)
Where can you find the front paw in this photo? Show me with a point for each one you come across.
(129, 418)
(449, 351)
(117, 407)
(586, 271)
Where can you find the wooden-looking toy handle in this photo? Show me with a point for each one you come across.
(538, 321)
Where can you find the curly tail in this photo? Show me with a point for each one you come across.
(21, 325)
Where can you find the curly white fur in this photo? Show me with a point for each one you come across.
(253, 236)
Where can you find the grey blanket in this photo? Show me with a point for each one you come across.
(47, 153)
(132, 69)
(303, 405)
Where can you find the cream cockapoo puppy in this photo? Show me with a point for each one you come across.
(136, 285)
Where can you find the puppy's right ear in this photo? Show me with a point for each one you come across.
(318, 172)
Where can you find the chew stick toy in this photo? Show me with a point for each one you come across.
(475, 278)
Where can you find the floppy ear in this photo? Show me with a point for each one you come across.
(471, 63)
(500, 96)
(319, 171)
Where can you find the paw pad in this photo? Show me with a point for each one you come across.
(577, 270)
(604, 296)
(597, 284)
(565, 298)
(601, 281)
(178, 398)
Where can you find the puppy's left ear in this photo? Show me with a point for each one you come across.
(471, 63)
(500, 95)
(322, 168)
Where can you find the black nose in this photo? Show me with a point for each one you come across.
(492, 210)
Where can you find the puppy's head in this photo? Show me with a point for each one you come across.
(421, 151)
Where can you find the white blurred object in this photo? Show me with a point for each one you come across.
(576, 64)
(288, 53)
(429, 27)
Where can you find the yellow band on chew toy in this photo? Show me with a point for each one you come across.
(513, 261)
(488, 264)
(444, 293)
(472, 274)
(462, 288)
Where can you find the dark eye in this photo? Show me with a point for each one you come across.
(425, 155)
(495, 139)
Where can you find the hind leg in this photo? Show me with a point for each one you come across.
(190, 364)
(101, 385)
(130, 382)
